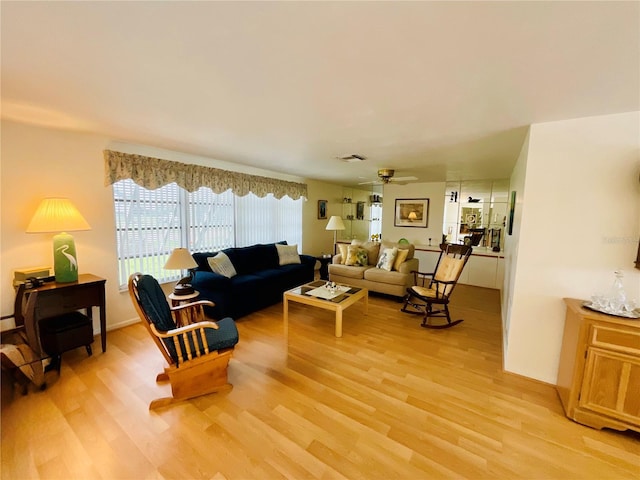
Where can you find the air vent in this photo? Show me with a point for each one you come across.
(351, 158)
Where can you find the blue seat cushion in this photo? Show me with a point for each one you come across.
(154, 303)
(226, 336)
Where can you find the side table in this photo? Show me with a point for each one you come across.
(177, 300)
(324, 260)
(182, 317)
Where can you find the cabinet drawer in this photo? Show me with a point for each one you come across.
(616, 338)
(55, 302)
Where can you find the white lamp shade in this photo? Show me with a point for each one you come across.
(180, 259)
(57, 215)
(335, 223)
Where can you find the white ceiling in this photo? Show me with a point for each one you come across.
(439, 90)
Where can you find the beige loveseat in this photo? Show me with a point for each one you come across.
(394, 282)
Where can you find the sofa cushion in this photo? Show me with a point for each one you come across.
(287, 254)
(202, 259)
(385, 262)
(383, 276)
(222, 265)
(348, 270)
(254, 258)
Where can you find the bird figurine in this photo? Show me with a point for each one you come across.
(473, 200)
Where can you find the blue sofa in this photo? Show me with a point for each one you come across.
(260, 280)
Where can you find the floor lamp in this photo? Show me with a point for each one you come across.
(335, 224)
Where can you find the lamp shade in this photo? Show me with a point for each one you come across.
(335, 223)
(412, 216)
(180, 259)
(57, 215)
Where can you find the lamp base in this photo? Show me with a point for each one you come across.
(183, 289)
(65, 263)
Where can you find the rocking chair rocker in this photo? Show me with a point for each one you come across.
(421, 298)
(198, 353)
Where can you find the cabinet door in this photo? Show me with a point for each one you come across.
(480, 271)
(612, 385)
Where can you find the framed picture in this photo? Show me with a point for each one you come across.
(322, 209)
(411, 212)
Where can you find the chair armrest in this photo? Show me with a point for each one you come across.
(190, 313)
(207, 303)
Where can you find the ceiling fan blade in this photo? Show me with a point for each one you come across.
(372, 182)
(403, 179)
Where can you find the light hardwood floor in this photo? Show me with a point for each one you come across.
(387, 400)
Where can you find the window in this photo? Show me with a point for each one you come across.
(151, 223)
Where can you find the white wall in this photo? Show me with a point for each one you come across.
(516, 183)
(42, 162)
(578, 220)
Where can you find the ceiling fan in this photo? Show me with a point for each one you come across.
(385, 175)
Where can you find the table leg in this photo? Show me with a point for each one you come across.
(103, 319)
(366, 304)
(285, 314)
(339, 322)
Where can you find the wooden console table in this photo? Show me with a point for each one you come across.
(599, 373)
(59, 298)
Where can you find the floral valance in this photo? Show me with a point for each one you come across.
(153, 173)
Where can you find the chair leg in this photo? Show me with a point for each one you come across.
(429, 313)
(56, 363)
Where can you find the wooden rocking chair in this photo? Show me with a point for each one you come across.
(197, 353)
(421, 298)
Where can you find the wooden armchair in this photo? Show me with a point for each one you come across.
(421, 298)
(197, 352)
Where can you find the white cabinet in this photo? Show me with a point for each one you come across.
(481, 270)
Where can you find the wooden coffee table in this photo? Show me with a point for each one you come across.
(337, 304)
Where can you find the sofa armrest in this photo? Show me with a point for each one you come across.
(409, 266)
(337, 258)
(307, 259)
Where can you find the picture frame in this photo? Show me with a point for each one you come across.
(512, 211)
(411, 212)
(322, 209)
(360, 211)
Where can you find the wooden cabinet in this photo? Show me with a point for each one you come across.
(599, 372)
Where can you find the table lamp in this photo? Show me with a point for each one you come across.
(181, 259)
(60, 215)
(335, 223)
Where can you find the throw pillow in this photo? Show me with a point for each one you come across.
(400, 258)
(288, 254)
(352, 256)
(362, 257)
(385, 262)
(222, 265)
(342, 250)
(373, 250)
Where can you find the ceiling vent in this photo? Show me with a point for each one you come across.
(352, 158)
